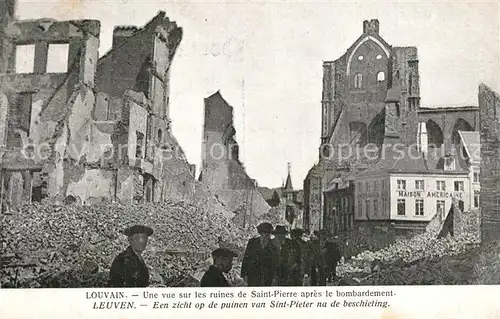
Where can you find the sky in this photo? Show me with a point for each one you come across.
(266, 60)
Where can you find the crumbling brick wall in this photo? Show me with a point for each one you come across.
(489, 108)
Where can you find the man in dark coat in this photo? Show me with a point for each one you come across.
(128, 268)
(333, 256)
(280, 240)
(222, 263)
(316, 261)
(260, 259)
(295, 252)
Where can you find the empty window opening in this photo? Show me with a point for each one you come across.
(138, 146)
(379, 57)
(19, 118)
(380, 76)
(360, 58)
(160, 135)
(358, 80)
(25, 58)
(57, 58)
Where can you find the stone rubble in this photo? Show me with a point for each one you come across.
(422, 259)
(73, 246)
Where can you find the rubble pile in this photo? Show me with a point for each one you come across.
(487, 267)
(421, 250)
(447, 270)
(51, 245)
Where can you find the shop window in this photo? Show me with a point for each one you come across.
(401, 207)
(419, 207)
(25, 58)
(57, 58)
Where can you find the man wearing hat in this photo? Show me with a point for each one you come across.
(316, 261)
(260, 259)
(128, 268)
(295, 252)
(281, 242)
(222, 263)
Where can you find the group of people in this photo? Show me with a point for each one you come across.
(288, 259)
(277, 257)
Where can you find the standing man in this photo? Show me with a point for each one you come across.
(128, 268)
(260, 259)
(295, 251)
(333, 256)
(281, 242)
(222, 263)
(318, 277)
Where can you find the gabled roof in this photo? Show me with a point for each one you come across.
(406, 160)
(472, 143)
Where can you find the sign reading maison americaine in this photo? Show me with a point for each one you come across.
(434, 194)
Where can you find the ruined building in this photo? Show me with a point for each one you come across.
(371, 97)
(78, 127)
(489, 108)
(222, 171)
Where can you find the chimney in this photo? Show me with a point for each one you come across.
(122, 33)
(371, 27)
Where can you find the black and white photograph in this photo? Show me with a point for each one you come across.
(159, 144)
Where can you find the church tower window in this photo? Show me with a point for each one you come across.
(358, 80)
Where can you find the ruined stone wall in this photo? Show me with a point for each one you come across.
(48, 122)
(448, 120)
(489, 108)
(222, 172)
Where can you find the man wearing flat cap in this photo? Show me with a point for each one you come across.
(260, 259)
(128, 268)
(281, 242)
(222, 263)
(295, 253)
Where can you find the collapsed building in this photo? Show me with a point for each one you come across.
(371, 101)
(78, 127)
(222, 171)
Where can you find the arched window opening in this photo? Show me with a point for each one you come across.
(358, 80)
(160, 135)
(460, 125)
(434, 134)
(379, 57)
(410, 84)
(381, 76)
(360, 58)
